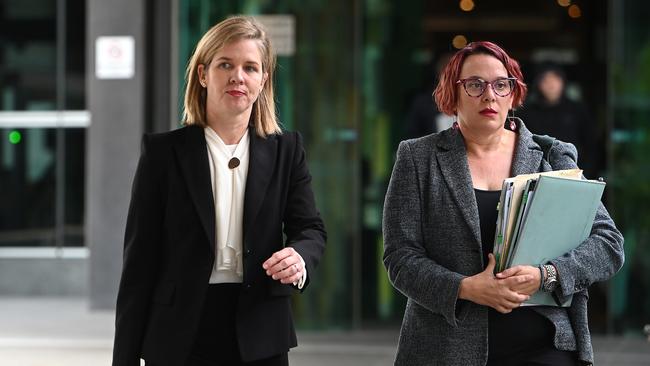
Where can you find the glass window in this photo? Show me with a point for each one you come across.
(28, 183)
(629, 107)
(42, 162)
(28, 55)
(317, 94)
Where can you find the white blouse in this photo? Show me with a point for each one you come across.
(228, 186)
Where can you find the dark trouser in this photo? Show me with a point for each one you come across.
(215, 343)
(549, 356)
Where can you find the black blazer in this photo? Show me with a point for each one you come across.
(169, 246)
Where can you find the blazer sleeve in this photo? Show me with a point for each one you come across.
(601, 255)
(143, 233)
(303, 226)
(410, 270)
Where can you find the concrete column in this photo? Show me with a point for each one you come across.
(118, 114)
(161, 70)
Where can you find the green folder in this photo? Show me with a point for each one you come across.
(508, 216)
(559, 219)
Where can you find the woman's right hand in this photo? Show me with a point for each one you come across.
(485, 289)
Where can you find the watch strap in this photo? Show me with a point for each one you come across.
(550, 278)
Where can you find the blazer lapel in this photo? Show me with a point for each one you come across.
(528, 154)
(192, 154)
(452, 159)
(261, 165)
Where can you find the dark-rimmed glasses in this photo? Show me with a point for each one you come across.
(475, 87)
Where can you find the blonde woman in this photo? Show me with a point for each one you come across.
(207, 275)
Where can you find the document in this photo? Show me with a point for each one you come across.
(514, 189)
(551, 214)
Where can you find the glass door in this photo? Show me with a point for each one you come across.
(628, 116)
(318, 93)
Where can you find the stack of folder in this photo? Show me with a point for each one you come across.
(542, 216)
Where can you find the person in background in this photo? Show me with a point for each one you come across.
(423, 118)
(207, 276)
(439, 224)
(549, 111)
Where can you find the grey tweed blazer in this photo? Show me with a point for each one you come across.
(432, 241)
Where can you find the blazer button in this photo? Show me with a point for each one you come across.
(247, 253)
(248, 286)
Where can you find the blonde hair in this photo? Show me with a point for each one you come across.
(232, 29)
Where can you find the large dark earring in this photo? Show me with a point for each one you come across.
(455, 125)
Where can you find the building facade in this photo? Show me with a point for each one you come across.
(83, 79)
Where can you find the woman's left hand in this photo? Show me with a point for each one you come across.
(527, 287)
(285, 265)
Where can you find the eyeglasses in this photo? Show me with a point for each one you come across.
(475, 87)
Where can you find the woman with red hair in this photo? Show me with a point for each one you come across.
(439, 226)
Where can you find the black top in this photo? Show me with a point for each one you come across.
(523, 331)
(487, 212)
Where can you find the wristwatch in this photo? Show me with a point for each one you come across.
(550, 280)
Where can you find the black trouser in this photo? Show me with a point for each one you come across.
(549, 356)
(215, 343)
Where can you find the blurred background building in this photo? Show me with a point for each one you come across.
(81, 80)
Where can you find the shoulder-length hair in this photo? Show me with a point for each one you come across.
(446, 93)
(233, 29)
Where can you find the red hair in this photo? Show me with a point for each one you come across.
(446, 93)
